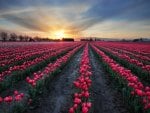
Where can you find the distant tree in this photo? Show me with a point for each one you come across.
(46, 39)
(21, 38)
(4, 36)
(90, 39)
(26, 38)
(141, 39)
(37, 38)
(124, 40)
(13, 37)
(138, 40)
(31, 39)
(68, 39)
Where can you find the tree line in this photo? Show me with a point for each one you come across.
(4, 36)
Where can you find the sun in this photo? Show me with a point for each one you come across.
(59, 34)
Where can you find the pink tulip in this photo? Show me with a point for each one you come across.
(77, 100)
(1, 99)
(71, 110)
(84, 109)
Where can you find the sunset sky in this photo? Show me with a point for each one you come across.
(76, 18)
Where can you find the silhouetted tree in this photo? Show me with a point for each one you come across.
(31, 39)
(138, 40)
(21, 38)
(26, 38)
(13, 37)
(37, 38)
(90, 39)
(4, 36)
(67, 39)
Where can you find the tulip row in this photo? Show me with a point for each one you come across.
(133, 55)
(15, 97)
(83, 83)
(12, 52)
(136, 49)
(48, 72)
(10, 81)
(12, 103)
(25, 54)
(51, 67)
(139, 49)
(144, 75)
(41, 80)
(135, 87)
(129, 59)
(28, 64)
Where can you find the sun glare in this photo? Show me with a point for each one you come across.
(59, 34)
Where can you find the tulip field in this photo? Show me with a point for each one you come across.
(75, 77)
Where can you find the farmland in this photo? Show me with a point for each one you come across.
(74, 77)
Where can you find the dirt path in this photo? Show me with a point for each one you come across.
(61, 89)
(105, 98)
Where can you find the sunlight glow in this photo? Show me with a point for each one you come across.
(59, 34)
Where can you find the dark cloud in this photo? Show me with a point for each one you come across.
(140, 11)
(28, 23)
(26, 19)
(118, 9)
(7, 4)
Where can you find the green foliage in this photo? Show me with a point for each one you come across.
(18, 107)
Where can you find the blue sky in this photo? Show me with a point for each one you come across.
(76, 18)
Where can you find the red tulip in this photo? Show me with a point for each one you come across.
(77, 100)
(16, 92)
(18, 98)
(76, 95)
(71, 110)
(8, 99)
(22, 95)
(132, 93)
(86, 94)
(1, 99)
(84, 109)
(77, 84)
(89, 104)
(83, 104)
(75, 106)
(139, 92)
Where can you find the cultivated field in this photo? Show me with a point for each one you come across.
(74, 77)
